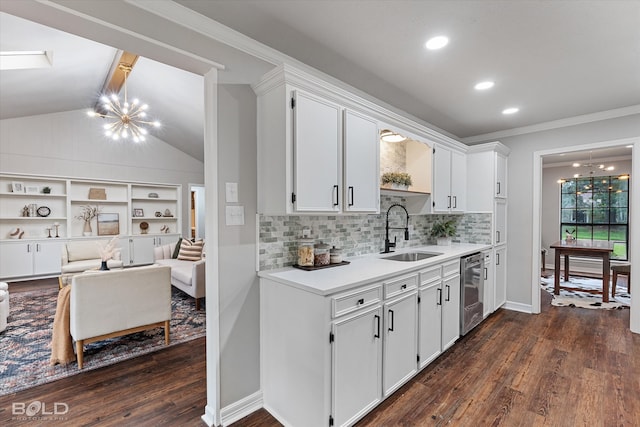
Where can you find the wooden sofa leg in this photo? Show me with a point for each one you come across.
(166, 332)
(79, 352)
(197, 303)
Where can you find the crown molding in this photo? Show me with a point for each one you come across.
(555, 124)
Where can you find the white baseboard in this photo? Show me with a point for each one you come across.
(517, 306)
(240, 409)
(208, 417)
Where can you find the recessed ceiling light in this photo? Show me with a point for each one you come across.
(511, 110)
(437, 42)
(629, 146)
(484, 85)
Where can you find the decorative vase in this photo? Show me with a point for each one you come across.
(443, 241)
(103, 266)
(399, 186)
(87, 231)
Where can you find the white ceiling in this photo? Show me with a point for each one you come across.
(554, 60)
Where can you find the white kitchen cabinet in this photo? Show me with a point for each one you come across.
(29, 258)
(501, 276)
(356, 365)
(489, 283)
(439, 310)
(450, 308)
(317, 137)
(449, 180)
(400, 341)
(500, 222)
(361, 163)
(501, 175)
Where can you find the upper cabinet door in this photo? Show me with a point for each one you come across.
(442, 201)
(361, 148)
(501, 176)
(317, 133)
(458, 181)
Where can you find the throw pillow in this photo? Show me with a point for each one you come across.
(190, 251)
(176, 250)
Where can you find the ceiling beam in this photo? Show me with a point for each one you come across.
(122, 61)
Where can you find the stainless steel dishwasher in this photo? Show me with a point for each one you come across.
(471, 295)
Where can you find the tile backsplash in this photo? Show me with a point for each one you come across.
(360, 234)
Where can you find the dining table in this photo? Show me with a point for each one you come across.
(583, 248)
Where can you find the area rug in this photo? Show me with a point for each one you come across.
(585, 293)
(25, 344)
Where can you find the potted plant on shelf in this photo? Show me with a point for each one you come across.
(443, 231)
(396, 180)
(46, 190)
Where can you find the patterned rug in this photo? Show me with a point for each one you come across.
(25, 344)
(585, 293)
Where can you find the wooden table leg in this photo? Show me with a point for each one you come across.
(605, 277)
(556, 273)
(566, 268)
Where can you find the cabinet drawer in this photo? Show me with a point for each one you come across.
(355, 300)
(400, 286)
(430, 274)
(450, 268)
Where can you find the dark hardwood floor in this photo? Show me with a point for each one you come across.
(564, 367)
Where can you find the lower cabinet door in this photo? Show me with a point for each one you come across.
(141, 250)
(47, 258)
(400, 341)
(16, 259)
(356, 365)
(450, 311)
(430, 323)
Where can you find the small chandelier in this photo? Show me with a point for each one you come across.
(592, 168)
(125, 120)
(389, 136)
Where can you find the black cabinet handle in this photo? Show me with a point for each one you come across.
(449, 203)
(391, 320)
(486, 273)
(455, 202)
(448, 293)
(377, 334)
(497, 236)
(335, 193)
(350, 196)
(439, 296)
(361, 301)
(498, 187)
(497, 259)
(403, 286)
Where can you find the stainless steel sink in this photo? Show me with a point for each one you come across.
(411, 256)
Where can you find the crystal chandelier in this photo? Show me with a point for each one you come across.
(125, 120)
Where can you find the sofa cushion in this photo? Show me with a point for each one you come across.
(190, 251)
(176, 250)
(180, 270)
(78, 251)
(88, 264)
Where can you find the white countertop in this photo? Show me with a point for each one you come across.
(366, 269)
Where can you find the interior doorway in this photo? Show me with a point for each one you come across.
(539, 158)
(196, 212)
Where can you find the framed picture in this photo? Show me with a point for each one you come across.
(32, 189)
(137, 212)
(17, 187)
(108, 224)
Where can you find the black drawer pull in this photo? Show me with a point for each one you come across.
(361, 301)
(403, 286)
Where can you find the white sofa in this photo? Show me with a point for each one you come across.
(106, 304)
(4, 305)
(83, 255)
(188, 276)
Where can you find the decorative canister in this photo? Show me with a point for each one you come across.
(335, 254)
(305, 252)
(321, 254)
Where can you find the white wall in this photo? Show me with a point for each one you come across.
(238, 282)
(71, 144)
(520, 211)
